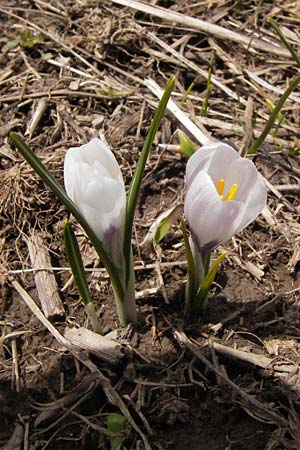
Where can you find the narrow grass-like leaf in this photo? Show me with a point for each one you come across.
(164, 223)
(294, 151)
(191, 270)
(285, 42)
(139, 172)
(280, 116)
(76, 264)
(116, 423)
(199, 303)
(253, 149)
(51, 182)
(186, 147)
(75, 261)
(204, 106)
(185, 95)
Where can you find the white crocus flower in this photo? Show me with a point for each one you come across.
(93, 180)
(225, 192)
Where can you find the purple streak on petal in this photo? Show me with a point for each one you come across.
(113, 244)
(204, 250)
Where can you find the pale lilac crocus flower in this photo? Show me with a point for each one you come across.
(225, 193)
(93, 180)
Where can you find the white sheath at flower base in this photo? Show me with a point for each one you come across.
(225, 193)
(93, 180)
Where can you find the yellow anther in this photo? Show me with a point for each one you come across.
(220, 187)
(232, 192)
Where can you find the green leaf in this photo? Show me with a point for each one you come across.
(29, 39)
(280, 116)
(294, 151)
(116, 423)
(191, 269)
(75, 260)
(46, 56)
(204, 107)
(253, 149)
(76, 264)
(186, 147)
(164, 222)
(186, 94)
(114, 93)
(139, 172)
(10, 44)
(283, 39)
(271, 106)
(51, 182)
(199, 302)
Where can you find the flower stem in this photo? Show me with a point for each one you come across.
(191, 286)
(126, 306)
(91, 312)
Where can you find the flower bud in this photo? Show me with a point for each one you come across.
(93, 180)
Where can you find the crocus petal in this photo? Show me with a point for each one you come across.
(93, 180)
(97, 153)
(255, 203)
(211, 220)
(108, 211)
(201, 159)
(198, 193)
(70, 174)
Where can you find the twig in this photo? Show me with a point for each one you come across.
(104, 348)
(197, 69)
(103, 272)
(110, 392)
(287, 187)
(56, 93)
(286, 371)
(44, 279)
(64, 65)
(16, 440)
(180, 116)
(261, 411)
(38, 114)
(53, 38)
(15, 366)
(294, 96)
(206, 27)
(248, 129)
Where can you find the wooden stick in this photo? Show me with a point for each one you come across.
(104, 348)
(44, 278)
(279, 367)
(259, 409)
(206, 27)
(191, 65)
(180, 116)
(110, 392)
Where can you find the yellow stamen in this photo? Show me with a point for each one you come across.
(232, 192)
(220, 187)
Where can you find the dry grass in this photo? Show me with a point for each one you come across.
(86, 74)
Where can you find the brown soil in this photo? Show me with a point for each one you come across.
(88, 62)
